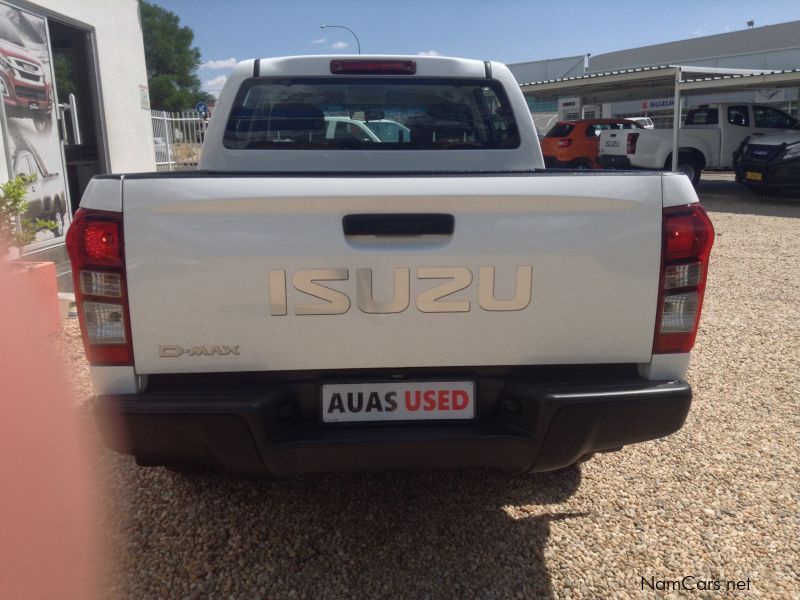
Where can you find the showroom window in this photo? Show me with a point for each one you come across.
(737, 115)
(765, 116)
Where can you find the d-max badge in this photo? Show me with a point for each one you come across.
(176, 351)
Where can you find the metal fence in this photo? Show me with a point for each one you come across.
(177, 139)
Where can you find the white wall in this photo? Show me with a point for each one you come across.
(768, 47)
(553, 68)
(120, 54)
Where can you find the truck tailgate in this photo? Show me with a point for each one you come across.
(213, 264)
(614, 141)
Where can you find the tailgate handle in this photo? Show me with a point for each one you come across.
(399, 224)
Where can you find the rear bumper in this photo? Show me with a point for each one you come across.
(614, 161)
(776, 173)
(553, 162)
(522, 424)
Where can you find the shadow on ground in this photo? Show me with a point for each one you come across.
(413, 534)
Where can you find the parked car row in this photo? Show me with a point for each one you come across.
(574, 144)
(761, 143)
(709, 136)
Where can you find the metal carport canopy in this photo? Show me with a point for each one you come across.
(681, 78)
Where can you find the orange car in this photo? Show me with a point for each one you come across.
(574, 144)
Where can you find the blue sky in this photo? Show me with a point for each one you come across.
(505, 30)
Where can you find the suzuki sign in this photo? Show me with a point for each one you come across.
(645, 105)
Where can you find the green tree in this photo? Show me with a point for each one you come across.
(172, 61)
(62, 66)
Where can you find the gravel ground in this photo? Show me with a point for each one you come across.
(716, 501)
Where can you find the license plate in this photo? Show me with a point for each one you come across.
(753, 176)
(33, 105)
(398, 401)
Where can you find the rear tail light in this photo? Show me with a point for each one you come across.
(564, 143)
(105, 322)
(686, 245)
(633, 138)
(97, 252)
(679, 312)
(101, 284)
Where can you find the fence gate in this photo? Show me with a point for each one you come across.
(177, 139)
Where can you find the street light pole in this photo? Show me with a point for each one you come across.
(348, 29)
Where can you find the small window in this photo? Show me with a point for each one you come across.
(703, 116)
(737, 115)
(594, 130)
(389, 131)
(350, 131)
(560, 130)
(772, 118)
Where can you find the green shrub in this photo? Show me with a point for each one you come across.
(14, 229)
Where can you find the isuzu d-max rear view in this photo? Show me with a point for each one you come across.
(312, 302)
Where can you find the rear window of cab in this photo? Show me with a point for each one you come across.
(595, 129)
(560, 130)
(702, 116)
(403, 113)
(592, 130)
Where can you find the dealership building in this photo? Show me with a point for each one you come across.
(641, 81)
(75, 104)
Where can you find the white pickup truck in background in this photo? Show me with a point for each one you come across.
(710, 135)
(306, 303)
(374, 130)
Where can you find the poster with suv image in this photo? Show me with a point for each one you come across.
(31, 129)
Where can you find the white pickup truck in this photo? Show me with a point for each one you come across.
(710, 135)
(302, 303)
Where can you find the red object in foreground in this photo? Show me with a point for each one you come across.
(48, 515)
(39, 279)
(97, 251)
(688, 236)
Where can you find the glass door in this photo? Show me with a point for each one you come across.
(76, 80)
